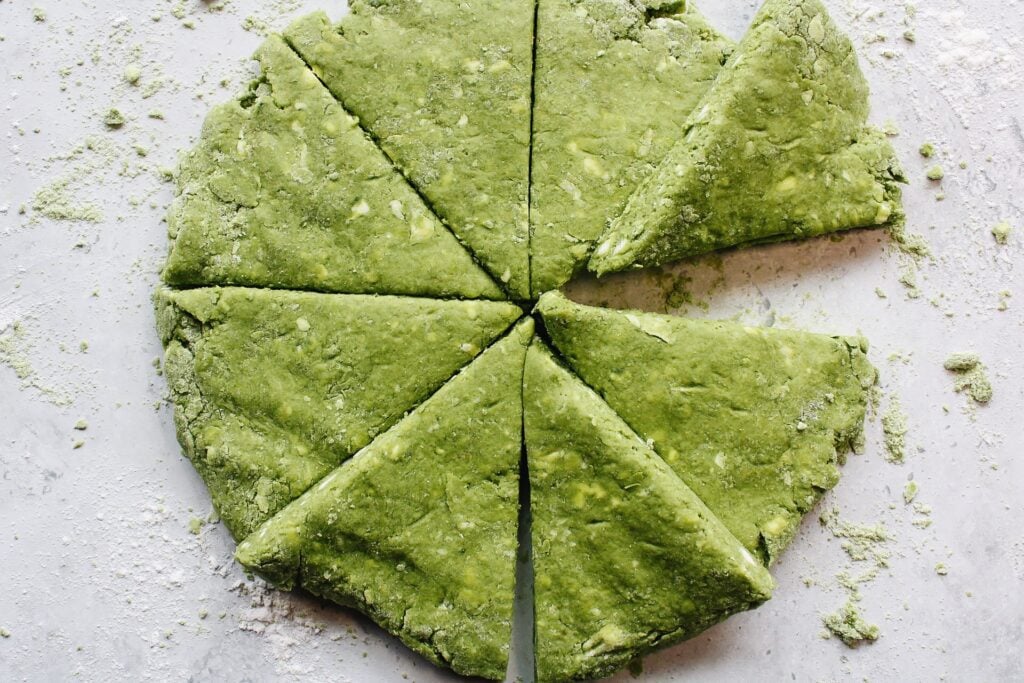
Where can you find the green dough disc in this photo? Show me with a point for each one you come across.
(777, 150)
(273, 390)
(444, 87)
(626, 557)
(418, 530)
(615, 81)
(754, 420)
(284, 190)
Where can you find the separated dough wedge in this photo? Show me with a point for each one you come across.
(777, 150)
(273, 390)
(418, 530)
(754, 420)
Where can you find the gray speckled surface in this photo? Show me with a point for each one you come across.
(102, 579)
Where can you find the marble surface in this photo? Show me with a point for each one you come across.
(102, 578)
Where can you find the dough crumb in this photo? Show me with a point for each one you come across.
(910, 492)
(935, 173)
(970, 376)
(54, 201)
(910, 243)
(848, 625)
(927, 150)
(113, 118)
(132, 74)
(894, 431)
(1001, 232)
(81, 425)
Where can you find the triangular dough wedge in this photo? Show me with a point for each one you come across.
(285, 190)
(444, 87)
(778, 150)
(273, 390)
(754, 420)
(626, 557)
(418, 530)
(615, 82)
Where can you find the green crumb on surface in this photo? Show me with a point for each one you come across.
(1001, 232)
(4, 633)
(910, 243)
(910, 492)
(908, 278)
(195, 525)
(927, 150)
(849, 626)
(861, 542)
(83, 346)
(113, 118)
(255, 25)
(941, 569)
(132, 74)
(54, 201)
(81, 425)
(78, 444)
(38, 14)
(909, 36)
(970, 376)
(203, 613)
(935, 173)
(894, 431)
(961, 362)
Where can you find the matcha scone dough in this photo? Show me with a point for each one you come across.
(444, 88)
(754, 420)
(418, 530)
(777, 150)
(285, 190)
(615, 81)
(273, 390)
(626, 557)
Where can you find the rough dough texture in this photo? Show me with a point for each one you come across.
(418, 530)
(777, 150)
(359, 400)
(273, 390)
(754, 420)
(626, 557)
(615, 82)
(444, 87)
(284, 190)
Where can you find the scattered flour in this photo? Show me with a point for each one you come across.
(894, 431)
(15, 346)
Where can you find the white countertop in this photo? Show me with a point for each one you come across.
(102, 579)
